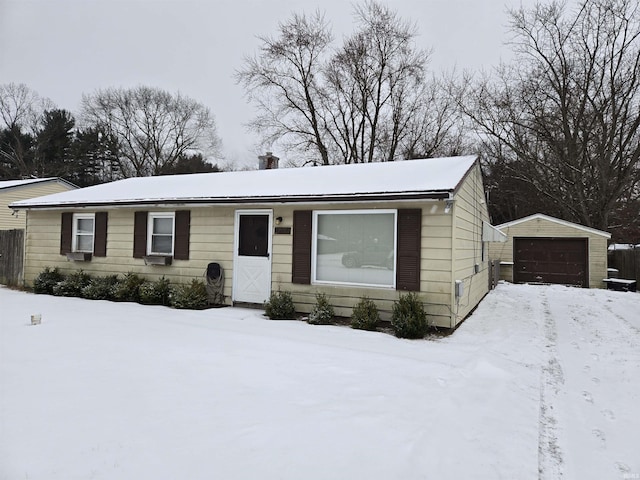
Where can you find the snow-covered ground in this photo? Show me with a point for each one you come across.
(540, 382)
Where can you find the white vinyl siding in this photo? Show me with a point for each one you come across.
(470, 265)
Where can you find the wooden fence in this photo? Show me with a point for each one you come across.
(627, 262)
(11, 257)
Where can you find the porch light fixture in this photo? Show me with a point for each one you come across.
(278, 220)
(448, 205)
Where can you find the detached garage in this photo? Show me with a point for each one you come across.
(543, 249)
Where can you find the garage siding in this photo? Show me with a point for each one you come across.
(541, 226)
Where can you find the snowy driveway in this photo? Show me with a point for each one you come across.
(539, 383)
(590, 415)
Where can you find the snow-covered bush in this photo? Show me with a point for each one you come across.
(365, 315)
(322, 312)
(72, 284)
(128, 288)
(46, 280)
(191, 296)
(409, 319)
(155, 293)
(100, 288)
(280, 306)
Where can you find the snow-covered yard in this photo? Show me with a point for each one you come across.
(540, 382)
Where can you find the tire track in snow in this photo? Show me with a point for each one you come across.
(629, 325)
(602, 333)
(550, 459)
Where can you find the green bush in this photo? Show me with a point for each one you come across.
(128, 288)
(155, 293)
(322, 312)
(365, 315)
(191, 296)
(280, 306)
(100, 288)
(72, 284)
(46, 280)
(409, 319)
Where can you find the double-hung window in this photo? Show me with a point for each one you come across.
(354, 247)
(161, 230)
(83, 232)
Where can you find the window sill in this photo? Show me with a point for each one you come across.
(157, 260)
(79, 256)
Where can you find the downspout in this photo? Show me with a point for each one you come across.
(24, 246)
(453, 300)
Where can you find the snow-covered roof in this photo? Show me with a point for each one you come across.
(541, 216)
(622, 246)
(426, 178)
(6, 184)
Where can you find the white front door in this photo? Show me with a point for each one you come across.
(252, 256)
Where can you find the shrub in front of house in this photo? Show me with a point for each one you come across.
(409, 319)
(100, 288)
(365, 315)
(127, 289)
(322, 312)
(190, 296)
(46, 280)
(280, 306)
(72, 284)
(155, 293)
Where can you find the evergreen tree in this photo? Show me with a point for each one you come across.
(95, 155)
(190, 164)
(53, 144)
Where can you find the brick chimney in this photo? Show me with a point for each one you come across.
(268, 161)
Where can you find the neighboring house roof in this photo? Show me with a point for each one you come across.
(540, 216)
(7, 184)
(409, 179)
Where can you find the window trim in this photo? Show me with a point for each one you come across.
(314, 246)
(75, 233)
(151, 216)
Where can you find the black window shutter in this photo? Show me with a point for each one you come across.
(100, 235)
(301, 258)
(408, 249)
(66, 232)
(140, 234)
(181, 245)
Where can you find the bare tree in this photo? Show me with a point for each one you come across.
(372, 77)
(436, 125)
(21, 111)
(284, 82)
(153, 127)
(564, 119)
(20, 106)
(337, 106)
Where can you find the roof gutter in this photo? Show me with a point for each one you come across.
(274, 200)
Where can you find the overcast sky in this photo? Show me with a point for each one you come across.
(64, 48)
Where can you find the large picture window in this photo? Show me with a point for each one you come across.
(83, 232)
(161, 233)
(354, 247)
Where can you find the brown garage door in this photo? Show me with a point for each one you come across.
(550, 260)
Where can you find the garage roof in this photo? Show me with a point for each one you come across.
(541, 216)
